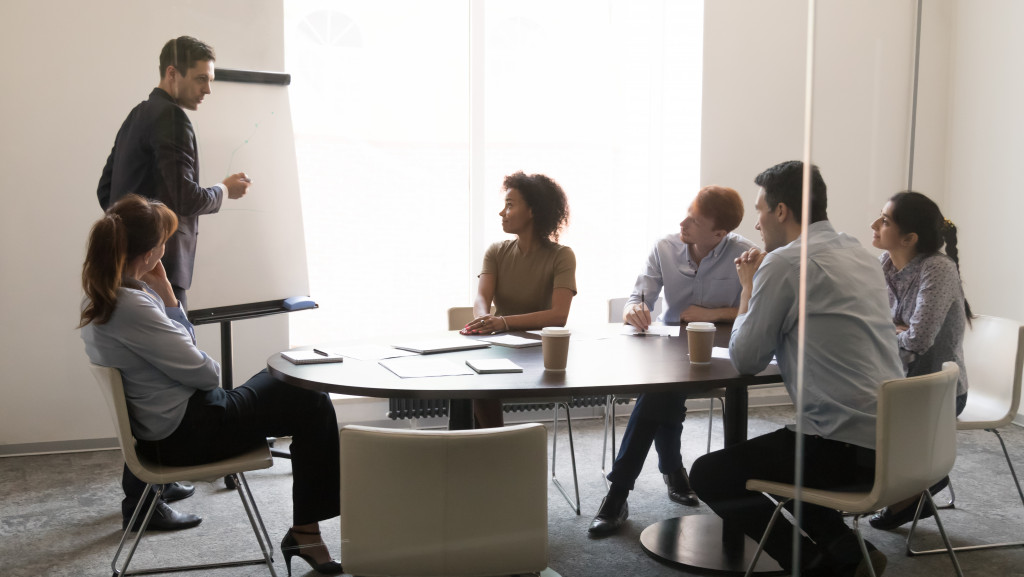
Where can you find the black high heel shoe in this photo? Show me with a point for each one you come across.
(290, 548)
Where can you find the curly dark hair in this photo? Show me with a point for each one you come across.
(546, 200)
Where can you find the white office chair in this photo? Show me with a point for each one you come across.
(615, 307)
(455, 503)
(915, 447)
(458, 317)
(994, 357)
(153, 473)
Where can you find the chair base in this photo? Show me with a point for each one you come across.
(574, 504)
(696, 543)
(251, 510)
(910, 550)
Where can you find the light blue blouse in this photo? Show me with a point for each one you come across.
(154, 347)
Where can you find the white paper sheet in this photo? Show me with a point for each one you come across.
(368, 352)
(421, 366)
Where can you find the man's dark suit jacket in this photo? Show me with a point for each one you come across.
(155, 156)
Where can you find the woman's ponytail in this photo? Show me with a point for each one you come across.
(131, 227)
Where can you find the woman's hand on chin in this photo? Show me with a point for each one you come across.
(157, 280)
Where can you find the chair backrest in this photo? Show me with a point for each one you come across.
(451, 503)
(459, 317)
(615, 307)
(916, 434)
(993, 358)
(109, 380)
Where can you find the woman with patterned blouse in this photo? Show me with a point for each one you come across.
(927, 302)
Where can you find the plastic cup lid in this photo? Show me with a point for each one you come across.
(555, 332)
(701, 327)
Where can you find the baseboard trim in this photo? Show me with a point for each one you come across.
(51, 447)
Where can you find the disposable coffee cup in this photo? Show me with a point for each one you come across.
(701, 339)
(554, 342)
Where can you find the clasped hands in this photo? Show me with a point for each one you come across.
(485, 325)
(747, 264)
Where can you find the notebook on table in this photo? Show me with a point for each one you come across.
(441, 346)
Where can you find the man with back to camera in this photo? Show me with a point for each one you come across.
(155, 155)
(697, 271)
(850, 349)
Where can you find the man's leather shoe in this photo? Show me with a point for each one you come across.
(609, 518)
(888, 519)
(679, 488)
(165, 519)
(178, 491)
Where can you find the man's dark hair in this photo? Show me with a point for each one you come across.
(784, 183)
(182, 53)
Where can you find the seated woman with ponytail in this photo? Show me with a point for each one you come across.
(927, 302)
(180, 416)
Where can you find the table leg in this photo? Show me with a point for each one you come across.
(705, 542)
(227, 374)
(460, 414)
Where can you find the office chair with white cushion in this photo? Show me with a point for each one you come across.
(153, 473)
(454, 503)
(458, 317)
(994, 358)
(915, 447)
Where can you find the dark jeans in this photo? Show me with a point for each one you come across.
(220, 424)
(719, 478)
(657, 419)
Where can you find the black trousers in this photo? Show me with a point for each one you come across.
(220, 424)
(719, 478)
(657, 419)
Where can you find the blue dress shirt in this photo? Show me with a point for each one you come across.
(850, 347)
(711, 285)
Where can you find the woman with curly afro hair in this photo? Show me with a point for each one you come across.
(531, 279)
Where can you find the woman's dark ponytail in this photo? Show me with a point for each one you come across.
(915, 213)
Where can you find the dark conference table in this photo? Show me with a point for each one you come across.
(601, 362)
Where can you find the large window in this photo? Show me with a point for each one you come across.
(409, 114)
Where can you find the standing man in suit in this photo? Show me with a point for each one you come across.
(155, 155)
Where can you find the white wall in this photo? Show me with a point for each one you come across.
(986, 141)
(74, 70)
(84, 65)
(753, 115)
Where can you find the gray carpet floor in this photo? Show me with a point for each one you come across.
(59, 514)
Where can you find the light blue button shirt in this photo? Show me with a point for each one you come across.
(850, 346)
(713, 284)
(154, 348)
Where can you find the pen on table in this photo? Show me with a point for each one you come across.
(643, 301)
(320, 352)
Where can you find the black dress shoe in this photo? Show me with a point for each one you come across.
(178, 491)
(609, 518)
(165, 519)
(888, 519)
(679, 488)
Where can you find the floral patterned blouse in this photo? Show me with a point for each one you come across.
(926, 296)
